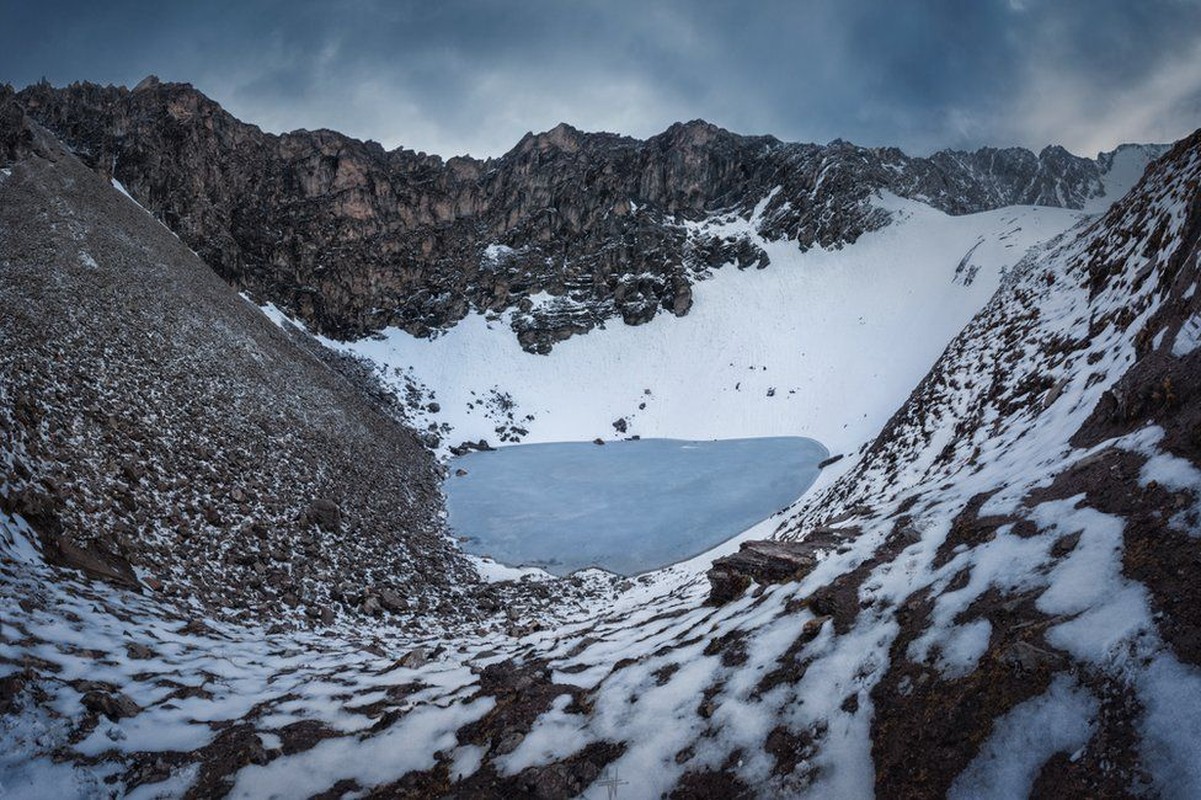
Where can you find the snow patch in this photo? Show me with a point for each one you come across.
(120, 187)
(495, 572)
(408, 745)
(1058, 721)
(1189, 336)
(277, 315)
(497, 252)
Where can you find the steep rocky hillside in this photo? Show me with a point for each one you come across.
(1010, 588)
(157, 431)
(351, 238)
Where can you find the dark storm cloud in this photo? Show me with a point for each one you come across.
(474, 76)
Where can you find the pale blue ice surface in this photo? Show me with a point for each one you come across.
(628, 506)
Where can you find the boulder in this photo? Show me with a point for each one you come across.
(138, 651)
(391, 600)
(325, 514)
(681, 300)
(92, 560)
(416, 658)
(767, 561)
(113, 705)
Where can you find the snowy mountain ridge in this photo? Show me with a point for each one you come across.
(351, 239)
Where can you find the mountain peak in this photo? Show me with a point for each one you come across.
(692, 168)
(562, 137)
(149, 82)
(696, 132)
(1054, 151)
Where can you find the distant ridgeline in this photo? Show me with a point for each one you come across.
(351, 238)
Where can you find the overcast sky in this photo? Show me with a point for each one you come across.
(469, 76)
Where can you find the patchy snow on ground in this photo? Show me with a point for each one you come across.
(1055, 722)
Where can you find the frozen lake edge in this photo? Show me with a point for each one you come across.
(628, 507)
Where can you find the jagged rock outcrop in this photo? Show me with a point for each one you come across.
(768, 561)
(352, 238)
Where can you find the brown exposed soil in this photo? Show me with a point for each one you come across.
(1109, 765)
(928, 728)
(711, 785)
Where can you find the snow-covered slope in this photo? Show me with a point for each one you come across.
(1021, 523)
(822, 343)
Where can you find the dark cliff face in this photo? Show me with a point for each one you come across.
(352, 238)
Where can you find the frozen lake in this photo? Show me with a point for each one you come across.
(628, 506)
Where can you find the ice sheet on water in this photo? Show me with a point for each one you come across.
(628, 506)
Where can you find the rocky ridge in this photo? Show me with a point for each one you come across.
(567, 230)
